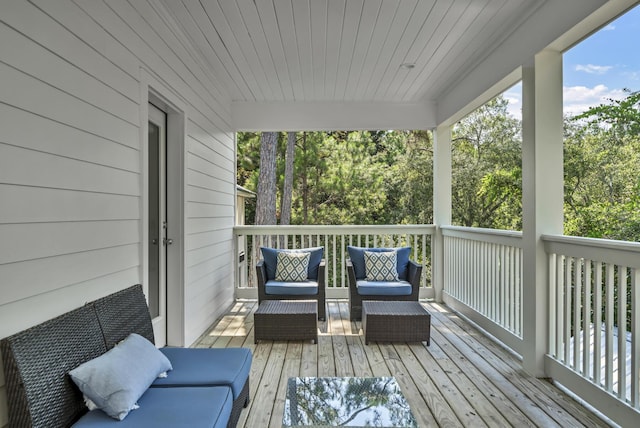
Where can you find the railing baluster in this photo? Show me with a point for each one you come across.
(560, 345)
(622, 332)
(635, 338)
(597, 326)
(577, 293)
(608, 378)
(567, 310)
(586, 319)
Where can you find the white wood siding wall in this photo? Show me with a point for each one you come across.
(70, 160)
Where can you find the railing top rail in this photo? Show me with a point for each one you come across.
(497, 236)
(333, 229)
(604, 250)
(593, 242)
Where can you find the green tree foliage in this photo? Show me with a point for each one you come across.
(487, 169)
(386, 177)
(602, 171)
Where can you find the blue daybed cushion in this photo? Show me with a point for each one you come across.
(270, 256)
(356, 254)
(306, 288)
(189, 407)
(116, 379)
(381, 288)
(207, 366)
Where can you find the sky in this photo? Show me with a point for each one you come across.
(598, 68)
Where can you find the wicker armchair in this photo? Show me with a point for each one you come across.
(413, 274)
(319, 296)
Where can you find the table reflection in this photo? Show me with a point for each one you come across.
(346, 401)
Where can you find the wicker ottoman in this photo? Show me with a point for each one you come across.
(286, 320)
(395, 322)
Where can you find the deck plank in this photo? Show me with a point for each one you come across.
(462, 379)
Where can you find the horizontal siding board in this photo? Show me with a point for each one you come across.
(220, 143)
(202, 210)
(202, 151)
(214, 250)
(206, 166)
(25, 92)
(22, 314)
(196, 241)
(199, 194)
(38, 240)
(38, 26)
(36, 61)
(200, 179)
(31, 131)
(24, 204)
(222, 225)
(22, 280)
(45, 170)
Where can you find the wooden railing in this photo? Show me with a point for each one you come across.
(594, 327)
(335, 240)
(483, 278)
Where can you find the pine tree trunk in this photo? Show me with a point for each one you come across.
(287, 188)
(266, 198)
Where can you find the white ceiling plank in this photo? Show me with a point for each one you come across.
(199, 15)
(335, 23)
(350, 28)
(255, 31)
(318, 11)
(447, 28)
(400, 22)
(192, 31)
(240, 32)
(302, 19)
(450, 47)
(380, 32)
(368, 21)
(272, 34)
(225, 32)
(493, 18)
(416, 32)
(287, 27)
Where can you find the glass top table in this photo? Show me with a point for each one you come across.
(346, 401)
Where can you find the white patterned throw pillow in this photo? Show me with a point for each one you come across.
(381, 266)
(292, 267)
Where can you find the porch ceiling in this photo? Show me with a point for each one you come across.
(322, 58)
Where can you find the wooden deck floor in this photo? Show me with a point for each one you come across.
(462, 379)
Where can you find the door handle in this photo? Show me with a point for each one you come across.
(154, 241)
(167, 241)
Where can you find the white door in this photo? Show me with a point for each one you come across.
(158, 230)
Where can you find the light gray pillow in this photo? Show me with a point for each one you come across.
(115, 380)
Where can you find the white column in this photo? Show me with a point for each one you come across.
(543, 196)
(441, 202)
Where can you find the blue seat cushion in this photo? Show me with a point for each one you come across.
(190, 407)
(306, 288)
(270, 257)
(382, 288)
(206, 367)
(356, 254)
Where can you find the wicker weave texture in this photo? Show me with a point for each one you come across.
(37, 360)
(286, 320)
(122, 313)
(395, 322)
